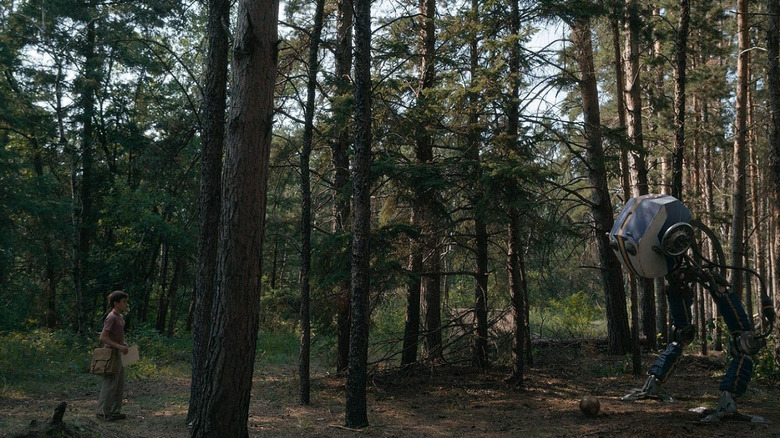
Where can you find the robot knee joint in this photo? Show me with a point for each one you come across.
(685, 335)
(747, 343)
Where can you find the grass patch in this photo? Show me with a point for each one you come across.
(278, 348)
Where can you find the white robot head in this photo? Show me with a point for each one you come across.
(650, 233)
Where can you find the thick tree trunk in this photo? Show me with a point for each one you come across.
(224, 406)
(213, 138)
(425, 198)
(308, 139)
(340, 158)
(601, 207)
(356, 414)
(773, 85)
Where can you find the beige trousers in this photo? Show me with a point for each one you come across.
(111, 393)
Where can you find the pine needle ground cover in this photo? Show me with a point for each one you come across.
(40, 370)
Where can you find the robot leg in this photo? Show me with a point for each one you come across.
(743, 344)
(733, 385)
(680, 299)
(684, 332)
(731, 309)
(738, 375)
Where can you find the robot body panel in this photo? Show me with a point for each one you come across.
(638, 230)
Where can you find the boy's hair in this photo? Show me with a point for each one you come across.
(115, 297)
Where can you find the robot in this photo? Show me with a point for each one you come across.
(655, 236)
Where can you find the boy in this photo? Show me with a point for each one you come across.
(113, 336)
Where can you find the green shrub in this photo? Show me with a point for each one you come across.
(574, 314)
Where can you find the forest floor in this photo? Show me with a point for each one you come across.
(442, 401)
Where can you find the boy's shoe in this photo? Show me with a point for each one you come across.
(113, 417)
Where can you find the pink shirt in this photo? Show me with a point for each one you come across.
(115, 326)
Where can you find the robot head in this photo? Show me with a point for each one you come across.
(650, 233)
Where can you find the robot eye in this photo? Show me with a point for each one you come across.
(677, 239)
(630, 248)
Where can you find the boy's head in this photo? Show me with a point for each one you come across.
(115, 297)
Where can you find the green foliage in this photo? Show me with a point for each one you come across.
(615, 368)
(278, 347)
(31, 360)
(574, 314)
(40, 361)
(279, 310)
(766, 361)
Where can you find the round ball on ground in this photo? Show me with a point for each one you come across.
(590, 405)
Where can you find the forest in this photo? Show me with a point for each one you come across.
(373, 191)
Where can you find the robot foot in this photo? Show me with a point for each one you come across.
(651, 389)
(726, 411)
(726, 407)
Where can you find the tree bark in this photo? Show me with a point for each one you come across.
(633, 98)
(356, 414)
(340, 158)
(518, 290)
(479, 356)
(680, 57)
(209, 199)
(308, 138)
(413, 286)
(224, 408)
(625, 184)
(773, 85)
(601, 207)
(740, 149)
(425, 198)
(82, 187)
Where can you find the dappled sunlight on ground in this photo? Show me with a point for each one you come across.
(442, 401)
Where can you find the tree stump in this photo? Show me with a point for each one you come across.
(53, 427)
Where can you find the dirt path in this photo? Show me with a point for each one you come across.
(445, 401)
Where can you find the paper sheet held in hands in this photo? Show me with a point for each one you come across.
(131, 356)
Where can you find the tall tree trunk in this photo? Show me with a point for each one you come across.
(625, 184)
(518, 290)
(740, 149)
(425, 198)
(356, 411)
(213, 138)
(50, 291)
(633, 98)
(479, 355)
(308, 139)
(339, 156)
(82, 217)
(680, 57)
(172, 293)
(413, 286)
(601, 207)
(773, 82)
(518, 287)
(224, 405)
(163, 299)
